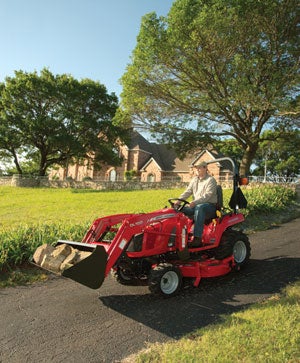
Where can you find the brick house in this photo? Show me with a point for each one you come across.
(151, 162)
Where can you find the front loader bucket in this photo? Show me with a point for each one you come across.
(90, 271)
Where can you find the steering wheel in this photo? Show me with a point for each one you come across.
(178, 207)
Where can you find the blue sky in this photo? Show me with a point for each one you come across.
(85, 38)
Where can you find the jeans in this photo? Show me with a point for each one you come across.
(201, 212)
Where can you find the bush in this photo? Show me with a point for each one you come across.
(18, 245)
(87, 178)
(266, 199)
(130, 175)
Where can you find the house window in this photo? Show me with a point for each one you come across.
(113, 175)
(150, 178)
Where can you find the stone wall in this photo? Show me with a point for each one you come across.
(28, 182)
(44, 182)
(5, 180)
(107, 185)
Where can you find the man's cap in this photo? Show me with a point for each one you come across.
(201, 164)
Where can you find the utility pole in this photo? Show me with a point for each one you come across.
(265, 167)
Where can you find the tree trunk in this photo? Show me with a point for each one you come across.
(43, 165)
(248, 156)
(16, 161)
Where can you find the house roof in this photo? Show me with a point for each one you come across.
(137, 141)
(166, 157)
(160, 153)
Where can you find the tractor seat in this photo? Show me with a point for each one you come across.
(219, 206)
(217, 215)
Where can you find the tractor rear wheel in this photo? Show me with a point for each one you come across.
(165, 279)
(234, 243)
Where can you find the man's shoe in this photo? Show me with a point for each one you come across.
(184, 255)
(197, 242)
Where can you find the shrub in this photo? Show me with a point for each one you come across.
(267, 199)
(18, 245)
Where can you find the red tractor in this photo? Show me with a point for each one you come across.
(153, 248)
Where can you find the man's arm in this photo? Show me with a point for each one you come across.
(189, 190)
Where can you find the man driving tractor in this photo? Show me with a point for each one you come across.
(203, 188)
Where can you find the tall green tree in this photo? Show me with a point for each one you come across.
(279, 154)
(56, 119)
(11, 144)
(213, 69)
(230, 148)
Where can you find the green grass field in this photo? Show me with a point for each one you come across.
(44, 205)
(36, 206)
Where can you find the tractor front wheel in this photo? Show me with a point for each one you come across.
(124, 277)
(165, 279)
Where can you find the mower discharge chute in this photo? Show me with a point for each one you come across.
(153, 248)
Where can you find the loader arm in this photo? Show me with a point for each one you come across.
(130, 227)
(92, 271)
(102, 225)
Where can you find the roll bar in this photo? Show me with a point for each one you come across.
(236, 180)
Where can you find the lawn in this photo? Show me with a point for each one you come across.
(44, 205)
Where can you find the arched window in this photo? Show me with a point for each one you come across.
(150, 178)
(113, 175)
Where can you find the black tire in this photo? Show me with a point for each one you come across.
(234, 243)
(165, 279)
(123, 277)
